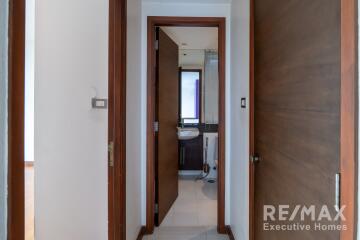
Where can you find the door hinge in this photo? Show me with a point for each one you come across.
(156, 126)
(156, 44)
(156, 208)
(111, 154)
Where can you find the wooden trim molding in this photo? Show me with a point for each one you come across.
(153, 22)
(349, 112)
(230, 233)
(117, 120)
(16, 164)
(252, 127)
(150, 151)
(141, 233)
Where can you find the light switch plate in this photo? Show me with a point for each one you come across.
(99, 103)
(243, 102)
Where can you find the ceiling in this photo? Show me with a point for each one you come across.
(193, 37)
(191, 57)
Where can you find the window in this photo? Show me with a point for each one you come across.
(190, 106)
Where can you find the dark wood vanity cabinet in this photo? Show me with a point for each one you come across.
(191, 154)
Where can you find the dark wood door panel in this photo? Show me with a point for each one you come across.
(272, 176)
(296, 88)
(167, 115)
(295, 133)
(279, 169)
(297, 108)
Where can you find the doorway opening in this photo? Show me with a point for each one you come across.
(186, 123)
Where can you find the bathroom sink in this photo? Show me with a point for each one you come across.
(187, 133)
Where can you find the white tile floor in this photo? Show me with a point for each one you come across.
(193, 215)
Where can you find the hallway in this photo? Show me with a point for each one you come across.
(193, 215)
(267, 105)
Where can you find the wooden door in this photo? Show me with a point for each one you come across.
(297, 110)
(167, 115)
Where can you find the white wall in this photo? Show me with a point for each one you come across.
(3, 116)
(240, 30)
(70, 137)
(71, 57)
(169, 8)
(133, 118)
(211, 87)
(29, 80)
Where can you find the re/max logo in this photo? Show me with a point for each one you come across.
(283, 213)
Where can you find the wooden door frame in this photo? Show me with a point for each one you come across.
(152, 22)
(348, 115)
(251, 124)
(16, 115)
(116, 120)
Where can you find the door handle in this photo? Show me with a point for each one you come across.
(182, 155)
(337, 189)
(254, 159)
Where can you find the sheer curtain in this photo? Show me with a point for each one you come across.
(211, 87)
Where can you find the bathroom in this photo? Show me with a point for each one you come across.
(199, 117)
